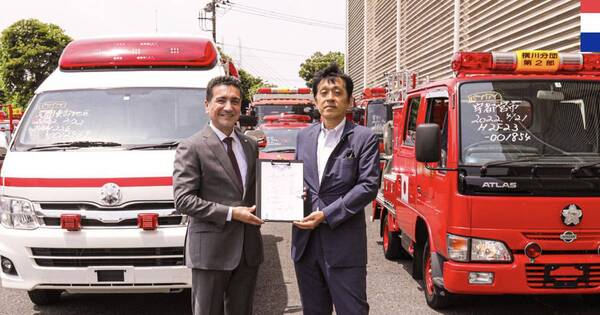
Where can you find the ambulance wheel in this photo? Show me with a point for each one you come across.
(436, 297)
(392, 249)
(44, 297)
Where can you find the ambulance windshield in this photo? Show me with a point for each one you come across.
(126, 116)
(537, 122)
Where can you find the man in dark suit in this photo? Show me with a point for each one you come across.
(214, 185)
(341, 169)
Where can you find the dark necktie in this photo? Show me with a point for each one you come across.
(233, 160)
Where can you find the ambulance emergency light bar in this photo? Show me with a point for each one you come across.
(525, 61)
(138, 53)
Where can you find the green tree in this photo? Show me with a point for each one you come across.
(29, 52)
(2, 94)
(317, 62)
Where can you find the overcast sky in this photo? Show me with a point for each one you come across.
(270, 48)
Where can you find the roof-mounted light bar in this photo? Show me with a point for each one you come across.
(138, 53)
(525, 61)
(283, 91)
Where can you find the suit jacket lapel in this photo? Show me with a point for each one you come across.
(250, 160)
(312, 170)
(348, 129)
(215, 145)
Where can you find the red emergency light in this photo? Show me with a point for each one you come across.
(283, 91)
(530, 61)
(70, 222)
(147, 221)
(138, 53)
(287, 118)
(374, 92)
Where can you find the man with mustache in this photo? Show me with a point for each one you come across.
(214, 184)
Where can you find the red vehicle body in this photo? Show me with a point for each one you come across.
(494, 183)
(276, 101)
(280, 133)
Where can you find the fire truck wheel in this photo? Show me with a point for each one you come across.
(44, 297)
(392, 248)
(436, 297)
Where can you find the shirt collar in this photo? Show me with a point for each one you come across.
(221, 135)
(335, 129)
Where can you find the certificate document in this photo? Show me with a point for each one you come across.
(279, 190)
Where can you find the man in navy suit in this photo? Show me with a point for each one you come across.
(341, 170)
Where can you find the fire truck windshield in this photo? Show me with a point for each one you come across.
(555, 120)
(280, 140)
(126, 116)
(270, 109)
(377, 116)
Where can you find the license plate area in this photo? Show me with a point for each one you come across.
(567, 276)
(110, 275)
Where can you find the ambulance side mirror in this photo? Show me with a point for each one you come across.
(428, 144)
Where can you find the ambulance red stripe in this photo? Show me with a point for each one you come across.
(87, 182)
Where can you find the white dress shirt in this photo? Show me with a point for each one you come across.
(238, 151)
(327, 141)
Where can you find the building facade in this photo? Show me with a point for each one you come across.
(421, 35)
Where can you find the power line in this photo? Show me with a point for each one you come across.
(268, 50)
(285, 15)
(281, 16)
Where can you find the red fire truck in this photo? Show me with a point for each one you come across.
(494, 182)
(275, 101)
(277, 135)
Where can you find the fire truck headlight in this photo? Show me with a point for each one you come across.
(18, 214)
(489, 250)
(458, 247)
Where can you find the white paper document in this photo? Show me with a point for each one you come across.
(281, 185)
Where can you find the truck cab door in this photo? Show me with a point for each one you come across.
(405, 161)
(432, 186)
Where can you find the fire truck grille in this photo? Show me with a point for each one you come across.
(555, 236)
(162, 221)
(86, 257)
(563, 276)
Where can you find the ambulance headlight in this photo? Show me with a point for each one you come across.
(17, 213)
(489, 250)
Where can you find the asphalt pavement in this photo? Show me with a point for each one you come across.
(391, 290)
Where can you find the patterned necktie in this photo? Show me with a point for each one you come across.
(233, 160)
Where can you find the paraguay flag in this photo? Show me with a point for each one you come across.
(590, 26)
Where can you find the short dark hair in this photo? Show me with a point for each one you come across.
(331, 73)
(222, 80)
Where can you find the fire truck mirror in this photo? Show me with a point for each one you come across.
(388, 138)
(259, 136)
(248, 121)
(550, 95)
(428, 143)
(358, 115)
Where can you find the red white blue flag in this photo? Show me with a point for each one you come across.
(590, 26)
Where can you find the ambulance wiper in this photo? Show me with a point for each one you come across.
(168, 144)
(527, 158)
(576, 169)
(75, 144)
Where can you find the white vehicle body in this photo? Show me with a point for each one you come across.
(70, 181)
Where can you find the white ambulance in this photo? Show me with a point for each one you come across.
(87, 199)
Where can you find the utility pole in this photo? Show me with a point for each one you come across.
(214, 20)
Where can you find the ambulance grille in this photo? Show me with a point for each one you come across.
(86, 257)
(563, 276)
(162, 221)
